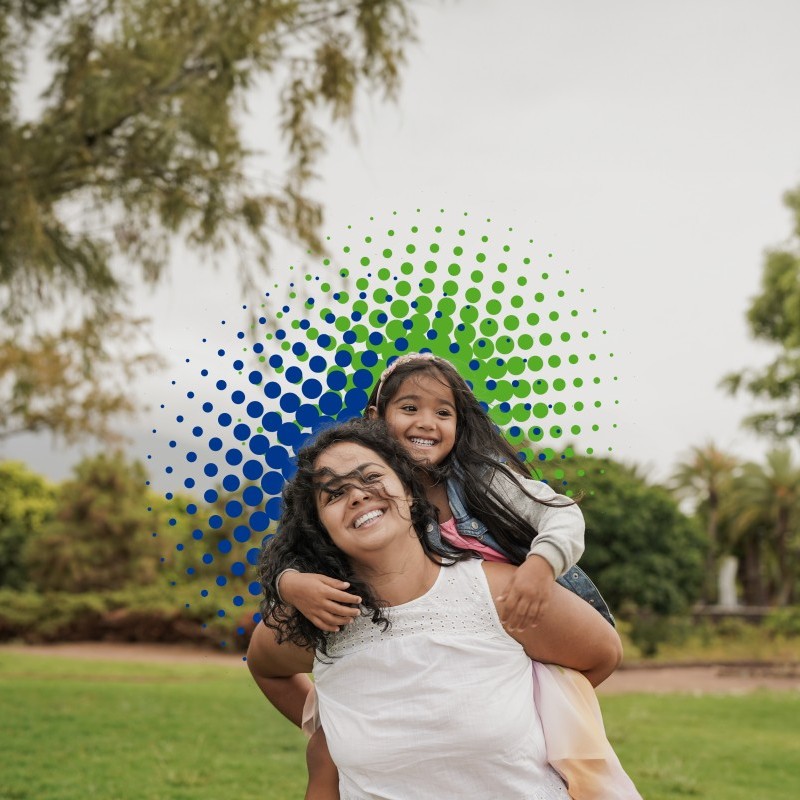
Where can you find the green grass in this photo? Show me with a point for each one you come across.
(76, 730)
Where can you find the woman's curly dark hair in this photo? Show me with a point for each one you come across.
(302, 542)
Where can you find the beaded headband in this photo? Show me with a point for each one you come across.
(396, 363)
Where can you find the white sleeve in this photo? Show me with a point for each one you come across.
(560, 529)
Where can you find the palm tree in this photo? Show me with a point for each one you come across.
(764, 510)
(704, 477)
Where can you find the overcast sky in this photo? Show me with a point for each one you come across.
(647, 145)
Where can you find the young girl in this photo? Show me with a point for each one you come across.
(487, 500)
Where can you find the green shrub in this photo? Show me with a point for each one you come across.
(784, 622)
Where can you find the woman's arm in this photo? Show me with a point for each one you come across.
(570, 632)
(280, 670)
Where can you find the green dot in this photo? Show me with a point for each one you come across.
(406, 268)
(424, 305)
(553, 315)
(384, 274)
(395, 329)
(399, 309)
(410, 248)
(447, 306)
(473, 295)
(554, 361)
(575, 430)
(505, 345)
(454, 269)
(516, 301)
(545, 340)
(510, 323)
(559, 384)
(434, 248)
(494, 307)
(538, 297)
(555, 432)
(535, 363)
(577, 383)
(532, 319)
(387, 253)
(525, 341)
(480, 258)
(488, 327)
(362, 284)
(458, 250)
(430, 267)
(578, 406)
(540, 386)
(426, 285)
(469, 314)
(559, 408)
(476, 276)
(364, 262)
(540, 410)
(342, 324)
(573, 359)
(498, 287)
(403, 288)
(450, 288)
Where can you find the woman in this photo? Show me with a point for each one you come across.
(424, 695)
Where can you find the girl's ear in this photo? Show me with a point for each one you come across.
(372, 412)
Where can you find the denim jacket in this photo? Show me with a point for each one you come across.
(574, 579)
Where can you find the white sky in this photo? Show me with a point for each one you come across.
(646, 144)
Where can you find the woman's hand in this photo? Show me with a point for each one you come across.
(527, 596)
(323, 601)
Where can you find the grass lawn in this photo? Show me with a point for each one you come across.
(76, 730)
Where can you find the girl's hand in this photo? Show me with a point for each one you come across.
(527, 595)
(323, 601)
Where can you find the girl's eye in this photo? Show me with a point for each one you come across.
(445, 413)
(334, 494)
(408, 408)
(372, 477)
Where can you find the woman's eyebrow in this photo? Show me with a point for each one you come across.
(336, 479)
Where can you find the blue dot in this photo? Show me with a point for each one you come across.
(241, 533)
(401, 344)
(231, 483)
(255, 377)
(356, 399)
(224, 419)
(254, 409)
(234, 457)
(318, 364)
(238, 568)
(275, 361)
(215, 522)
(238, 600)
(271, 421)
(215, 444)
(208, 559)
(210, 496)
(272, 482)
(241, 431)
(224, 546)
(272, 390)
(362, 379)
(254, 588)
(259, 445)
(330, 403)
(311, 388)
(233, 508)
(210, 470)
(221, 580)
(298, 348)
(294, 375)
(238, 397)
(252, 470)
(289, 403)
(252, 496)
(259, 521)
(307, 415)
(253, 555)
(277, 457)
(273, 508)
(336, 380)
(197, 534)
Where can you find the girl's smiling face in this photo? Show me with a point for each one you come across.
(422, 417)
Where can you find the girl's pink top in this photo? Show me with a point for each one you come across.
(451, 534)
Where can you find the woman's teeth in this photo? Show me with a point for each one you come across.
(423, 442)
(368, 517)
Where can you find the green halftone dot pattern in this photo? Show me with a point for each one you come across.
(517, 333)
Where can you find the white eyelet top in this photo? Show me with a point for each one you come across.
(438, 706)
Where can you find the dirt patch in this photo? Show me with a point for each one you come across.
(737, 678)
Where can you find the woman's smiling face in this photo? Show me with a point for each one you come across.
(360, 500)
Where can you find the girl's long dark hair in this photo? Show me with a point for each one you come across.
(480, 450)
(303, 543)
